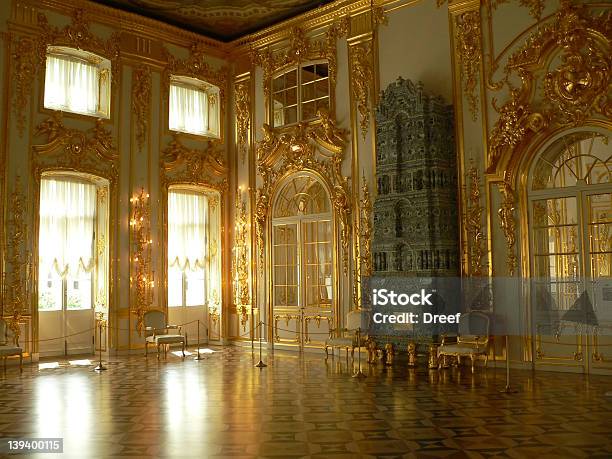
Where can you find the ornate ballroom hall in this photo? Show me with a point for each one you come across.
(204, 203)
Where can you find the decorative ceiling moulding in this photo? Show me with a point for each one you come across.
(316, 19)
(181, 164)
(318, 149)
(133, 23)
(569, 59)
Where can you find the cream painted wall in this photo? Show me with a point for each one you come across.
(416, 46)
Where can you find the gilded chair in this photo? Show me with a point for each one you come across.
(472, 339)
(157, 332)
(349, 337)
(9, 346)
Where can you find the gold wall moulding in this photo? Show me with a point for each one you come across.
(18, 262)
(362, 75)
(508, 223)
(141, 101)
(302, 49)
(143, 278)
(77, 149)
(469, 50)
(318, 148)
(366, 208)
(25, 65)
(241, 260)
(242, 106)
(569, 58)
(473, 224)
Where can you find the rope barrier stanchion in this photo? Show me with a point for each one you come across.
(199, 357)
(260, 364)
(508, 389)
(100, 366)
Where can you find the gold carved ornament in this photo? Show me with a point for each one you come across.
(241, 260)
(87, 150)
(19, 263)
(362, 79)
(243, 117)
(281, 154)
(508, 223)
(473, 224)
(141, 101)
(302, 49)
(194, 166)
(366, 231)
(143, 278)
(469, 50)
(25, 65)
(576, 86)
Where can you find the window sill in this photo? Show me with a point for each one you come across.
(88, 115)
(196, 135)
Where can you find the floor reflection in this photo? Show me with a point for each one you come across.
(301, 405)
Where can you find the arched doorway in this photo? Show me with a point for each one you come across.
(303, 260)
(569, 201)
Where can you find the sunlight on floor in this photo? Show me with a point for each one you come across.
(48, 365)
(76, 363)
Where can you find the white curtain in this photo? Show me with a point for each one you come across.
(67, 217)
(71, 84)
(187, 235)
(188, 110)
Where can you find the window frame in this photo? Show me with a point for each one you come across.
(105, 81)
(188, 82)
(298, 67)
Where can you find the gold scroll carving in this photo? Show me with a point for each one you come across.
(141, 101)
(569, 57)
(318, 148)
(362, 78)
(473, 224)
(508, 223)
(469, 50)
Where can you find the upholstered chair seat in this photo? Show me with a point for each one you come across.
(157, 332)
(472, 339)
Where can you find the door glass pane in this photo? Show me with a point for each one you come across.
(317, 263)
(600, 234)
(175, 287)
(194, 291)
(78, 292)
(285, 265)
(556, 251)
(50, 292)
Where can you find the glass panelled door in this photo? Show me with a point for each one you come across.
(67, 265)
(571, 246)
(302, 258)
